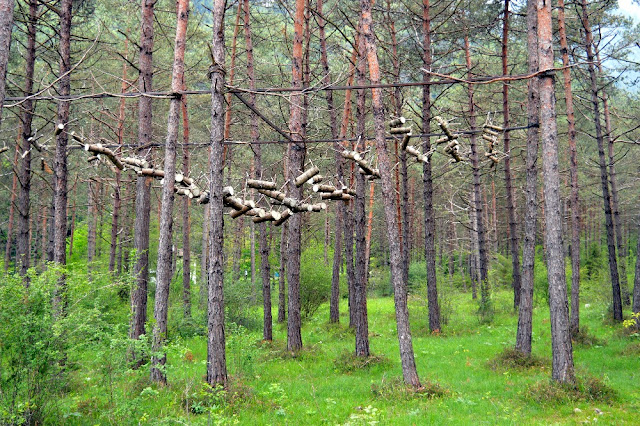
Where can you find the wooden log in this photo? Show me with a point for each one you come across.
(260, 184)
(59, 128)
(283, 217)
(351, 155)
(235, 203)
(237, 213)
(494, 127)
(204, 198)
(324, 188)
(405, 140)
(136, 162)
(92, 158)
(151, 172)
(4, 149)
(444, 126)
(397, 122)
(99, 149)
(270, 216)
(276, 195)
(318, 207)
(195, 190)
(399, 130)
(317, 178)
(227, 191)
(300, 180)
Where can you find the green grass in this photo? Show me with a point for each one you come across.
(323, 385)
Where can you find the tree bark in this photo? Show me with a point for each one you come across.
(282, 294)
(480, 232)
(23, 247)
(573, 174)
(561, 348)
(14, 186)
(604, 180)
(525, 313)
(427, 179)
(143, 183)
(164, 269)
(635, 308)
(216, 357)
(511, 210)
(265, 269)
(615, 205)
(334, 304)
(204, 256)
(6, 26)
(361, 323)
(296, 166)
(407, 359)
(60, 169)
(186, 221)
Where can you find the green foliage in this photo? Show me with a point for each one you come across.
(584, 338)
(380, 282)
(584, 389)
(315, 280)
(396, 390)
(593, 261)
(31, 348)
(348, 362)
(239, 303)
(511, 359)
(501, 271)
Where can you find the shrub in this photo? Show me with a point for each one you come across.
(511, 359)
(31, 345)
(315, 281)
(584, 389)
(395, 389)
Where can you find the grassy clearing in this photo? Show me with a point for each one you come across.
(467, 377)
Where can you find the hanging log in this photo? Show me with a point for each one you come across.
(283, 217)
(276, 195)
(399, 130)
(237, 213)
(318, 207)
(316, 179)
(300, 180)
(135, 162)
(397, 122)
(270, 216)
(4, 149)
(99, 149)
(405, 140)
(324, 188)
(260, 184)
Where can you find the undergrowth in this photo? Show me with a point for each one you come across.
(512, 359)
(586, 388)
(396, 390)
(348, 362)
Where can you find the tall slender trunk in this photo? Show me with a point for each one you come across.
(143, 183)
(204, 256)
(117, 203)
(282, 292)
(265, 269)
(164, 264)
(14, 186)
(92, 197)
(6, 26)
(475, 164)
(615, 205)
(186, 221)
(604, 180)
(23, 247)
(60, 169)
(216, 357)
(427, 179)
(361, 323)
(334, 304)
(561, 348)
(573, 173)
(525, 313)
(511, 210)
(409, 371)
(635, 308)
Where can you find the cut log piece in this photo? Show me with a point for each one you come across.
(397, 122)
(300, 180)
(283, 217)
(260, 184)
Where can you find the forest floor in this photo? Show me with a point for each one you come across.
(325, 385)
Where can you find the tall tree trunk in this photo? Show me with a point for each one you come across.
(117, 203)
(60, 169)
(635, 308)
(216, 358)
(573, 174)
(164, 269)
(143, 183)
(14, 186)
(604, 180)
(6, 26)
(409, 371)
(562, 351)
(282, 292)
(186, 221)
(334, 304)
(361, 323)
(615, 205)
(427, 179)
(296, 166)
(24, 174)
(511, 210)
(91, 224)
(204, 256)
(525, 313)
(265, 269)
(475, 164)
